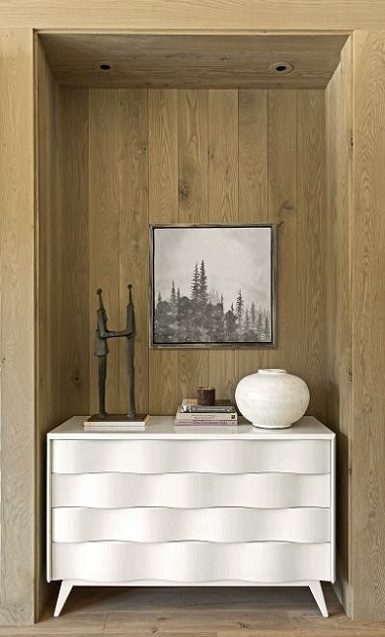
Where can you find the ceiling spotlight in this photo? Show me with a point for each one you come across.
(282, 68)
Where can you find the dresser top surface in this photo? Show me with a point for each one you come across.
(163, 428)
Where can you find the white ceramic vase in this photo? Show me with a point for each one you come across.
(272, 398)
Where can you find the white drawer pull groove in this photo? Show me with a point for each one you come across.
(191, 490)
(208, 525)
(191, 562)
(212, 456)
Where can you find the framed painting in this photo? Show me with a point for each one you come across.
(212, 285)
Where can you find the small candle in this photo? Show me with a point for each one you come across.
(206, 396)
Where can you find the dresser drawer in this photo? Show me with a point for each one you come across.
(211, 456)
(191, 562)
(228, 524)
(190, 490)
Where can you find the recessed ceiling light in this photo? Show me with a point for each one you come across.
(282, 68)
(105, 66)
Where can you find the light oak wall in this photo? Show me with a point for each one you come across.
(338, 247)
(206, 156)
(17, 328)
(368, 310)
(61, 273)
(167, 15)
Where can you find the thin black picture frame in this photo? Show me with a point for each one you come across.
(223, 344)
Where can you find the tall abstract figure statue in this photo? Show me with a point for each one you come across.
(101, 350)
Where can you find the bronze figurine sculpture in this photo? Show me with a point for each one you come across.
(101, 350)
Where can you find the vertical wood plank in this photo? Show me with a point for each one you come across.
(133, 237)
(332, 101)
(223, 207)
(17, 329)
(338, 304)
(104, 232)
(69, 230)
(310, 242)
(253, 189)
(368, 467)
(163, 208)
(48, 210)
(282, 135)
(193, 208)
(344, 170)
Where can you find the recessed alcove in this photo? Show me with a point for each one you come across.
(134, 129)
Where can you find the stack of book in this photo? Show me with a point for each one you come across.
(190, 413)
(116, 423)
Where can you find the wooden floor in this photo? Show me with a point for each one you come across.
(215, 612)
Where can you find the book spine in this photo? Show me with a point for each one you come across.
(191, 417)
(206, 423)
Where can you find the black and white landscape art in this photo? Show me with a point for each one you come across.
(212, 285)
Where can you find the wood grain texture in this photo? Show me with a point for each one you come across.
(338, 267)
(104, 232)
(62, 245)
(163, 208)
(48, 209)
(214, 61)
(368, 471)
(197, 612)
(282, 132)
(70, 240)
(194, 15)
(133, 237)
(223, 208)
(206, 150)
(17, 329)
(253, 188)
(310, 245)
(193, 208)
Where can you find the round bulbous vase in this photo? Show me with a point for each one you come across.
(272, 398)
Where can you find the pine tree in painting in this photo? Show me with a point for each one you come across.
(195, 285)
(253, 316)
(239, 311)
(203, 293)
(260, 326)
(202, 317)
(267, 329)
(173, 294)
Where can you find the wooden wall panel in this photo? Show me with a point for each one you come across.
(193, 208)
(133, 238)
(104, 232)
(368, 309)
(282, 135)
(223, 207)
(311, 310)
(338, 266)
(70, 245)
(62, 276)
(46, 282)
(218, 156)
(194, 15)
(17, 328)
(253, 188)
(163, 208)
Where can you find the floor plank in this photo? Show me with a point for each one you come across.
(197, 612)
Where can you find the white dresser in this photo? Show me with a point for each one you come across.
(191, 506)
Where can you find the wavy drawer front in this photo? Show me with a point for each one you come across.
(191, 490)
(189, 562)
(212, 456)
(208, 525)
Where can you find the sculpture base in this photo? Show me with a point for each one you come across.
(116, 422)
